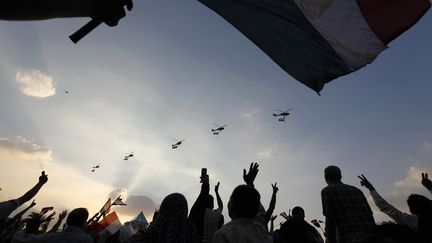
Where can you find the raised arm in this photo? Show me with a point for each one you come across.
(385, 207)
(219, 200)
(55, 227)
(198, 208)
(108, 11)
(426, 182)
(250, 176)
(272, 219)
(20, 214)
(34, 190)
(272, 205)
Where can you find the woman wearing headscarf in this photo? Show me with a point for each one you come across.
(171, 224)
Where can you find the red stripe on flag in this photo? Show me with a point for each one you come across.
(390, 18)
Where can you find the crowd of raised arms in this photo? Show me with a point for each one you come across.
(348, 218)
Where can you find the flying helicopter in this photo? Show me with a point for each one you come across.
(177, 144)
(95, 167)
(64, 90)
(282, 114)
(218, 129)
(129, 156)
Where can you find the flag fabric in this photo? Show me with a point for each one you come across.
(139, 222)
(45, 210)
(316, 41)
(126, 232)
(106, 207)
(108, 225)
(283, 214)
(118, 202)
(316, 223)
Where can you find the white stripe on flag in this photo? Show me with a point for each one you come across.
(343, 26)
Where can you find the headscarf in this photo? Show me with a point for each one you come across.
(171, 224)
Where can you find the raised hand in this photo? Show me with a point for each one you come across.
(204, 179)
(43, 178)
(273, 217)
(364, 182)
(249, 177)
(63, 214)
(32, 204)
(50, 217)
(110, 11)
(426, 182)
(275, 188)
(217, 187)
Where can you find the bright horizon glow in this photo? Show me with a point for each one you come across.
(156, 77)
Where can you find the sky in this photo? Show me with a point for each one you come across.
(173, 69)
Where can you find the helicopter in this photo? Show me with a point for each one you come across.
(282, 114)
(64, 90)
(129, 156)
(95, 167)
(218, 129)
(177, 144)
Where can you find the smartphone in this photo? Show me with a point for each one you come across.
(203, 172)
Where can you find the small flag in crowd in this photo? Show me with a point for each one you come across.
(46, 210)
(316, 223)
(119, 202)
(283, 214)
(106, 207)
(110, 224)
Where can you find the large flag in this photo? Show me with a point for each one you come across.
(316, 41)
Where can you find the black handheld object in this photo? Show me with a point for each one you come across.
(83, 31)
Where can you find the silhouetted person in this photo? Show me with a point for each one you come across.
(108, 11)
(202, 215)
(385, 207)
(171, 224)
(56, 226)
(262, 215)
(426, 182)
(33, 224)
(243, 206)
(73, 233)
(7, 207)
(422, 207)
(213, 218)
(297, 230)
(31, 232)
(396, 232)
(9, 227)
(272, 205)
(345, 207)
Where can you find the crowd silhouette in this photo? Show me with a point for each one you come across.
(348, 218)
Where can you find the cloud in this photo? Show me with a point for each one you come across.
(411, 184)
(427, 146)
(251, 114)
(412, 181)
(34, 83)
(134, 204)
(266, 153)
(24, 149)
